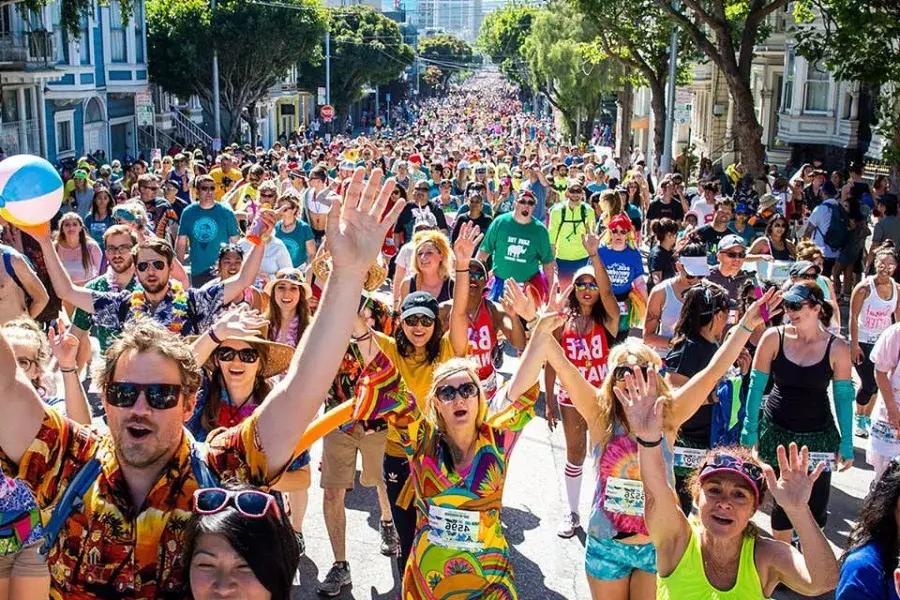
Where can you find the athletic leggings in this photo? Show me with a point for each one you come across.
(818, 504)
(396, 472)
(866, 372)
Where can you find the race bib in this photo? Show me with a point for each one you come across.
(624, 496)
(689, 458)
(455, 529)
(826, 457)
(883, 431)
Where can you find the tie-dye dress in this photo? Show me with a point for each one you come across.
(459, 551)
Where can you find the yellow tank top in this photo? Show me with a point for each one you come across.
(688, 580)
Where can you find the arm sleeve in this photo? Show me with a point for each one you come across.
(750, 431)
(842, 389)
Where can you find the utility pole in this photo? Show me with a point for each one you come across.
(665, 160)
(327, 67)
(217, 120)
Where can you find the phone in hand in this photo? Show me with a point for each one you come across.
(763, 310)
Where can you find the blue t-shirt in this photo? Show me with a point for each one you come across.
(863, 577)
(207, 229)
(623, 266)
(97, 227)
(295, 241)
(179, 180)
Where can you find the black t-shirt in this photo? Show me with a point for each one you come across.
(659, 209)
(710, 237)
(407, 219)
(688, 358)
(661, 260)
(482, 221)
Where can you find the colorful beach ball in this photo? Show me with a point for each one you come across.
(31, 191)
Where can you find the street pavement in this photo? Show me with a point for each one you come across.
(546, 566)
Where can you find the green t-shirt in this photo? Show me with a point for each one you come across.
(207, 229)
(295, 241)
(566, 228)
(85, 321)
(518, 251)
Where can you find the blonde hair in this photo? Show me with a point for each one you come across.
(610, 204)
(630, 352)
(27, 332)
(441, 372)
(440, 243)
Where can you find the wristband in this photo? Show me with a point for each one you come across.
(72, 370)
(462, 270)
(745, 328)
(214, 337)
(647, 444)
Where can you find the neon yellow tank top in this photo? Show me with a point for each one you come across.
(688, 580)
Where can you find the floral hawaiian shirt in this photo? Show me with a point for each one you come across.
(85, 321)
(113, 309)
(108, 548)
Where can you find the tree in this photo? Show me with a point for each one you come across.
(448, 54)
(257, 46)
(564, 65)
(636, 34)
(859, 41)
(726, 31)
(71, 11)
(502, 38)
(367, 48)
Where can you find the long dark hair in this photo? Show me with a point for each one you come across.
(273, 315)
(877, 522)
(261, 388)
(598, 313)
(432, 346)
(267, 544)
(701, 303)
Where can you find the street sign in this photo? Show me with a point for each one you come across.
(327, 113)
(321, 99)
(144, 115)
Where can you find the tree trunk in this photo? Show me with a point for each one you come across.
(254, 126)
(747, 130)
(625, 109)
(658, 105)
(892, 153)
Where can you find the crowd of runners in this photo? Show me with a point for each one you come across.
(186, 330)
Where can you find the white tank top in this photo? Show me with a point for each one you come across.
(876, 314)
(671, 309)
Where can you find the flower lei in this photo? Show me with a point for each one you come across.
(179, 305)
(111, 282)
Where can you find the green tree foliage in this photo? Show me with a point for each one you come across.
(257, 46)
(858, 41)
(726, 31)
(448, 54)
(502, 38)
(71, 11)
(367, 48)
(563, 63)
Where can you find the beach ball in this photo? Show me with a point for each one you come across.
(31, 191)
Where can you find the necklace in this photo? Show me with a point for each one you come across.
(179, 305)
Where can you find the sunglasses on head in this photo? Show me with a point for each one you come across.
(416, 320)
(158, 265)
(252, 504)
(245, 355)
(586, 286)
(448, 393)
(160, 396)
(722, 460)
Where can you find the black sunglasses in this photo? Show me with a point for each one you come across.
(794, 306)
(160, 396)
(448, 393)
(527, 202)
(159, 265)
(478, 275)
(416, 320)
(622, 370)
(245, 355)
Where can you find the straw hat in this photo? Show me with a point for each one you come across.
(291, 275)
(321, 267)
(277, 355)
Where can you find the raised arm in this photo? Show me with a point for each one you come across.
(235, 286)
(355, 230)
(78, 296)
(31, 285)
(237, 321)
(516, 304)
(591, 243)
(23, 410)
(463, 247)
(64, 345)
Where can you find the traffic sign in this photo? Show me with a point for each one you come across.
(327, 113)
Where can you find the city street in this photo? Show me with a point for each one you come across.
(547, 567)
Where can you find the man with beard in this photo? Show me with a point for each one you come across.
(126, 538)
(712, 233)
(165, 300)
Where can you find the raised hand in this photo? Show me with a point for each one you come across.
(642, 404)
(239, 321)
(753, 318)
(464, 247)
(517, 302)
(792, 489)
(64, 346)
(591, 242)
(357, 225)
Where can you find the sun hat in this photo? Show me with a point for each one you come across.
(695, 266)
(767, 201)
(278, 356)
(375, 277)
(290, 275)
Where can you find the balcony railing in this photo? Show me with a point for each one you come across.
(27, 48)
(18, 137)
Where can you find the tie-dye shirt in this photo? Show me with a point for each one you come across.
(447, 499)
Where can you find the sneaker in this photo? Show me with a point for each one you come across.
(570, 523)
(390, 541)
(337, 578)
(300, 542)
(862, 429)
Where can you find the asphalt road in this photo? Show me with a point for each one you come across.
(547, 567)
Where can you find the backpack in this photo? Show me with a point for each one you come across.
(838, 233)
(87, 475)
(583, 221)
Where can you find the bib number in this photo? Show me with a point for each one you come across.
(624, 496)
(689, 458)
(883, 431)
(454, 529)
(823, 457)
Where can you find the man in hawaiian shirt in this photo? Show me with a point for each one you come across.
(184, 311)
(126, 539)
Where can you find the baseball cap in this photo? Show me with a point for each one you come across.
(80, 174)
(419, 303)
(743, 209)
(585, 270)
(730, 241)
(802, 266)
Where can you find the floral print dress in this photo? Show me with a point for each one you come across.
(459, 550)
